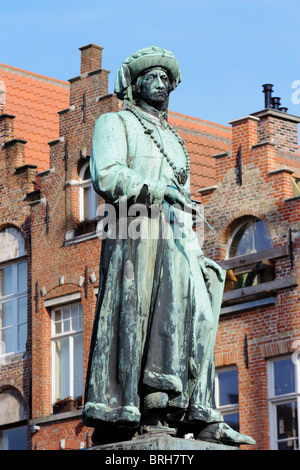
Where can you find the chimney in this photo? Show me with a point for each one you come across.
(6, 127)
(267, 90)
(91, 58)
(275, 125)
(276, 102)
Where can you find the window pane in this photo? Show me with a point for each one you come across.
(6, 341)
(228, 387)
(22, 276)
(6, 283)
(86, 202)
(263, 239)
(76, 317)
(66, 319)
(243, 241)
(93, 203)
(14, 439)
(62, 369)
(22, 310)
(87, 173)
(284, 377)
(78, 365)
(6, 314)
(233, 421)
(57, 322)
(287, 420)
(22, 337)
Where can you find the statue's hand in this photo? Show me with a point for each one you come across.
(173, 196)
(209, 263)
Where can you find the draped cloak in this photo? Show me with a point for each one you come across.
(156, 316)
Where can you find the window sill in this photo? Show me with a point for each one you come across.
(80, 238)
(245, 306)
(57, 417)
(12, 358)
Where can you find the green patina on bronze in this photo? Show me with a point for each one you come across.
(152, 347)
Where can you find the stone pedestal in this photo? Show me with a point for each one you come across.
(162, 442)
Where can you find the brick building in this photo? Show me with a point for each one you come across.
(28, 119)
(246, 177)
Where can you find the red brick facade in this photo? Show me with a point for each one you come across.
(266, 194)
(250, 175)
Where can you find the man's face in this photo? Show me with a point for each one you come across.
(155, 86)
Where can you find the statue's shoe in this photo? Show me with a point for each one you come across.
(158, 430)
(223, 434)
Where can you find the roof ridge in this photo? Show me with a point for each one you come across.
(203, 133)
(34, 75)
(201, 120)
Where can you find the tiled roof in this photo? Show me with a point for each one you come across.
(288, 160)
(34, 100)
(203, 139)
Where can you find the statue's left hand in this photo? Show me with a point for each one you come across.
(206, 263)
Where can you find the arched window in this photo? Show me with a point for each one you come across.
(13, 426)
(13, 292)
(88, 197)
(249, 237)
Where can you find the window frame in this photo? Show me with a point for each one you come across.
(260, 269)
(70, 335)
(13, 298)
(245, 220)
(232, 408)
(274, 400)
(93, 197)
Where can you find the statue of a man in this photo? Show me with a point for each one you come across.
(151, 365)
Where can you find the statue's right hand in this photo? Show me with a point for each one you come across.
(173, 196)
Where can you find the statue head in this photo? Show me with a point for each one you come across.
(153, 87)
(149, 74)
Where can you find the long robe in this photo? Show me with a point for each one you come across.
(155, 323)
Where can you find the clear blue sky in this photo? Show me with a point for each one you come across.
(226, 48)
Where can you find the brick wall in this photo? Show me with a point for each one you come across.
(16, 181)
(265, 193)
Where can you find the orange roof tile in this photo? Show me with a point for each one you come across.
(34, 100)
(203, 139)
(292, 161)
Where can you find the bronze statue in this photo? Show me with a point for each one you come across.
(151, 366)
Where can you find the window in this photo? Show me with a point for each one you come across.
(13, 438)
(67, 352)
(227, 396)
(2, 93)
(248, 238)
(13, 307)
(296, 184)
(88, 197)
(284, 402)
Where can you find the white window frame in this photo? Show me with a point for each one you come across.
(274, 400)
(70, 334)
(93, 197)
(225, 409)
(13, 298)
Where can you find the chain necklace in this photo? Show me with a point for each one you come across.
(181, 174)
